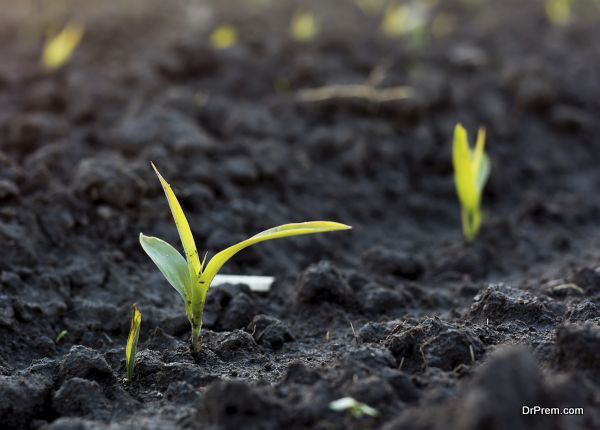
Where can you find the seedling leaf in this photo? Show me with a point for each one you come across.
(484, 173)
(471, 171)
(286, 230)
(132, 341)
(59, 49)
(170, 262)
(303, 26)
(185, 234)
(558, 12)
(223, 37)
(60, 336)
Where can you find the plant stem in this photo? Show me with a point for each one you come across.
(197, 337)
(471, 222)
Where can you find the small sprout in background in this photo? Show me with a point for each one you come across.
(59, 48)
(60, 336)
(370, 7)
(401, 20)
(353, 407)
(304, 26)
(558, 12)
(223, 37)
(471, 172)
(192, 278)
(132, 341)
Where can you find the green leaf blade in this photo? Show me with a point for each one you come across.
(472, 168)
(183, 228)
(463, 168)
(483, 174)
(132, 341)
(285, 230)
(170, 263)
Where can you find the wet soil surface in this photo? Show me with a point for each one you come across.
(399, 313)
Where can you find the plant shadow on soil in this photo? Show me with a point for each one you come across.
(399, 313)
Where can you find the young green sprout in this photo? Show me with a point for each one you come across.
(304, 26)
(59, 49)
(223, 37)
(407, 19)
(132, 341)
(353, 407)
(60, 336)
(558, 12)
(471, 172)
(192, 278)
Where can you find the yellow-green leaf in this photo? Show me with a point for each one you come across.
(132, 341)
(223, 37)
(558, 12)
(59, 49)
(403, 19)
(286, 230)
(370, 7)
(464, 174)
(471, 172)
(170, 262)
(303, 26)
(185, 234)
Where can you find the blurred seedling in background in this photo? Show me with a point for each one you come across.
(303, 26)
(407, 20)
(355, 408)
(223, 37)
(132, 341)
(371, 7)
(59, 48)
(192, 278)
(60, 336)
(558, 12)
(471, 172)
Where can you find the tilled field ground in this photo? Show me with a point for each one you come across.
(400, 312)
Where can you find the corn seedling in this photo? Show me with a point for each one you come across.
(370, 7)
(223, 37)
(304, 26)
(132, 341)
(59, 49)
(60, 336)
(558, 12)
(192, 278)
(471, 172)
(408, 19)
(353, 407)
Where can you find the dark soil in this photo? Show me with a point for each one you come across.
(399, 313)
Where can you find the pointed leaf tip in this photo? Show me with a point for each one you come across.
(155, 169)
(132, 341)
(285, 230)
(185, 233)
